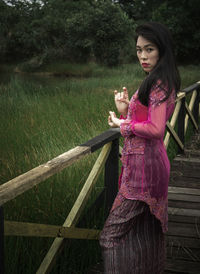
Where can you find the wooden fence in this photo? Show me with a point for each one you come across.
(108, 159)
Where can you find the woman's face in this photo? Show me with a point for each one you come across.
(147, 53)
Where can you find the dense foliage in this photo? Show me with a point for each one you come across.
(80, 30)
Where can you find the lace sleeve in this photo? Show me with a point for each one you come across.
(126, 128)
(157, 96)
(154, 127)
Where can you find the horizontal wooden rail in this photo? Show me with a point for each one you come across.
(50, 231)
(26, 181)
(192, 87)
(33, 177)
(184, 212)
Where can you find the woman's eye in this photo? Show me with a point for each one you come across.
(138, 50)
(149, 50)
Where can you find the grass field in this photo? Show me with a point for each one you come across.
(41, 119)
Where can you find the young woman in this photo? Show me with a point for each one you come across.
(132, 240)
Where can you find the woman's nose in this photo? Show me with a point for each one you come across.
(143, 55)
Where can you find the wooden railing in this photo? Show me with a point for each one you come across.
(183, 111)
(108, 159)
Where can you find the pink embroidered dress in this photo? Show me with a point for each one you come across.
(146, 167)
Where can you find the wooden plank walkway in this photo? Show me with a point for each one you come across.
(183, 237)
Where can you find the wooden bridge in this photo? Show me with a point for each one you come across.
(183, 237)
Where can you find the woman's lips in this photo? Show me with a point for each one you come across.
(145, 65)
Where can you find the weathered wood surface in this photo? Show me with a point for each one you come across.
(76, 210)
(192, 87)
(180, 96)
(172, 122)
(50, 231)
(192, 153)
(183, 237)
(182, 266)
(102, 139)
(190, 230)
(175, 135)
(28, 180)
(176, 241)
(181, 106)
(111, 175)
(189, 109)
(183, 212)
(184, 181)
(186, 167)
(190, 115)
(1, 241)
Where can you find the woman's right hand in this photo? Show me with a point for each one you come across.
(122, 101)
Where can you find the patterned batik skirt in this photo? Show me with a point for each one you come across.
(132, 240)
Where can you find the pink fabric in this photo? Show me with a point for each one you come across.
(146, 168)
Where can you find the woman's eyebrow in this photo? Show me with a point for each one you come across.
(146, 46)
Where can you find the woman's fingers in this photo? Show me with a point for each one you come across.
(115, 92)
(120, 96)
(125, 92)
(112, 114)
(117, 96)
(110, 122)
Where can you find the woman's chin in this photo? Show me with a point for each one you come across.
(147, 70)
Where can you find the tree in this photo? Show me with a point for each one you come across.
(111, 30)
(76, 30)
(183, 21)
(139, 10)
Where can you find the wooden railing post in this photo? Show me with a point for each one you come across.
(196, 107)
(111, 175)
(181, 123)
(1, 241)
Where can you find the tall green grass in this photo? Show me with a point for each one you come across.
(41, 119)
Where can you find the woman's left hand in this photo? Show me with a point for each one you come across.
(113, 121)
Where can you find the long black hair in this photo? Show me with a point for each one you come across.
(165, 70)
